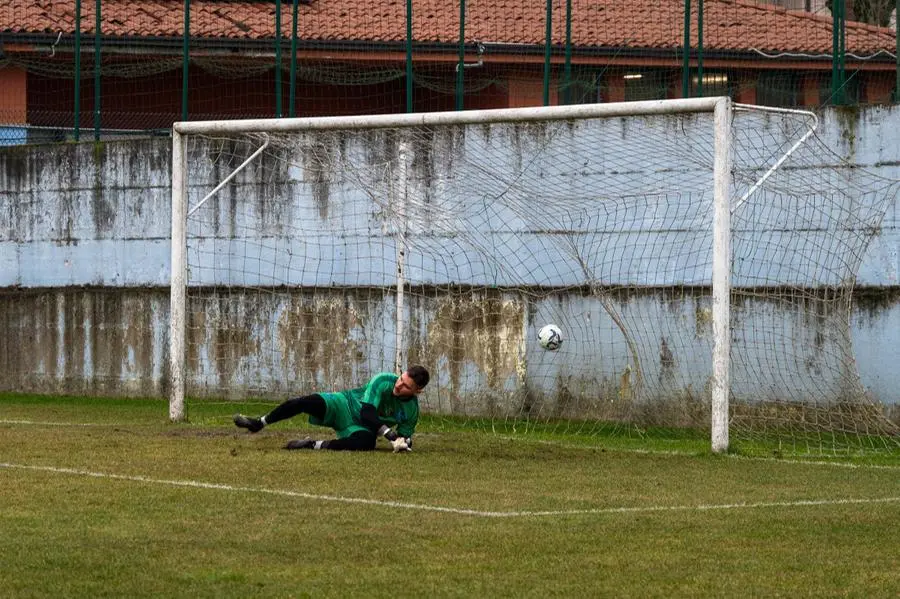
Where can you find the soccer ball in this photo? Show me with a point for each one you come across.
(550, 337)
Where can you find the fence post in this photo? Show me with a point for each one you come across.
(409, 69)
(278, 59)
(567, 70)
(185, 59)
(77, 130)
(97, 27)
(686, 55)
(837, 52)
(460, 66)
(292, 95)
(700, 48)
(548, 51)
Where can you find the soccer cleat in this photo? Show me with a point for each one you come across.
(306, 443)
(254, 425)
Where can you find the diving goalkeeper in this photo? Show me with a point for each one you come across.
(387, 406)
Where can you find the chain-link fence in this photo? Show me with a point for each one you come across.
(75, 69)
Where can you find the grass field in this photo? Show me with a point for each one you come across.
(105, 498)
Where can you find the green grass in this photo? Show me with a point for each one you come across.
(96, 503)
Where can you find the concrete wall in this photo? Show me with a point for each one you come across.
(84, 265)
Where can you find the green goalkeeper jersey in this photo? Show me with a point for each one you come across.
(402, 412)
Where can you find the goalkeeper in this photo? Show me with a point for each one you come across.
(358, 416)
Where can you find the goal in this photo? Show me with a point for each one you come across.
(699, 257)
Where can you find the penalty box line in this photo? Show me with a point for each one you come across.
(451, 510)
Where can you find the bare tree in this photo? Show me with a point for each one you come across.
(873, 12)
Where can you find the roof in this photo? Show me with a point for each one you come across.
(729, 25)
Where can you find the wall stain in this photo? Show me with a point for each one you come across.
(318, 168)
(107, 342)
(666, 361)
(76, 315)
(848, 118)
(481, 330)
(80, 340)
(874, 302)
(104, 210)
(323, 338)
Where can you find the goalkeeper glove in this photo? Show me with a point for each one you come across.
(400, 444)
(397, 442)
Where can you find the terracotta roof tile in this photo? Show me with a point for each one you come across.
(729, 25)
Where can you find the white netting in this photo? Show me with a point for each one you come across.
(798, 241)
(602, 226)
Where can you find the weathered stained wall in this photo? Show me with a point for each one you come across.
(85, 214)
(84, 263)
(84, 340)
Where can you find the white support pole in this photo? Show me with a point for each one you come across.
(401, 220)
(230, 176)
(721, 274)
(814, 119)
(177, 319)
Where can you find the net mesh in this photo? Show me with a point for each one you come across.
(799, 238)
(337, 254)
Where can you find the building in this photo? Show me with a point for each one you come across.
(814, 6)
(351, 58)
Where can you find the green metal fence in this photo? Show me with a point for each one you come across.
(116, 66)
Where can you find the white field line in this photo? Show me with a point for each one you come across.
(803, 462)
(41, 423)
(452, 510)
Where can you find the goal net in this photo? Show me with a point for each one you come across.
(699, 260)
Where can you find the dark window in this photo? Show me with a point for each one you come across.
(646, 85)
(714, 84)
(582, 88)
(850, 90)
(777, 88)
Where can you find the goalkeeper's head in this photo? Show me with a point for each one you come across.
(411, 382)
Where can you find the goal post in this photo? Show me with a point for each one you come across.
(721, 274)
(311, 253)
(178, 281)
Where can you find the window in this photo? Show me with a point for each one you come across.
(817, 6)
(850, 89)
(714, 84)
(646, 85)
(583, 88)
(777, 88)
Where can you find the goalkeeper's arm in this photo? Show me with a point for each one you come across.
(369, 416)
(398, 442)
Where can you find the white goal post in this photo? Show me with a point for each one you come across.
(312, 252)
(720, 106)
